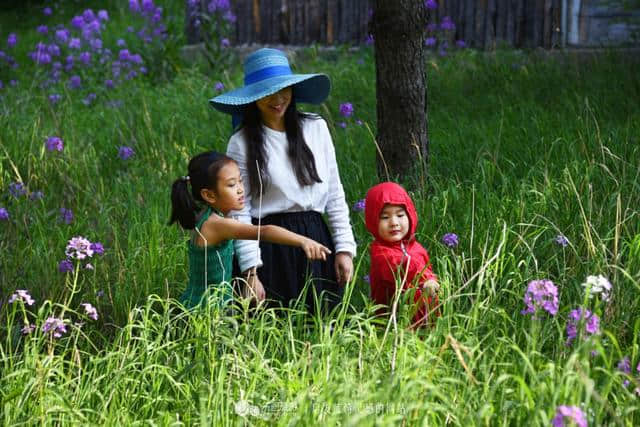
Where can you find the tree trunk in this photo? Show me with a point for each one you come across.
(399, 29)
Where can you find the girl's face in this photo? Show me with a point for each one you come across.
(229, 194)
(393, 225)
(273, 107)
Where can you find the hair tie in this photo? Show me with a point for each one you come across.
(186, 178)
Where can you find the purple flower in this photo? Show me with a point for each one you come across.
(99, 294)
(109, 84)
(103, 15)
(346, 109)
(219, 86)
(561, 240)
(75, 43)
(89, 99)
(66, 215)
(359, 205)
(62, 35)
(121, 43)
(75, 82)
(36, 195)
(90, 310)
(229, 17)
(541, 294)
(225, 42)
(47, 11)
(124, 54)
(97, 248)
(88, 266)
(447, 23)
(432, 27)
(431, 4)
(65, 266)
(43, 29)
(134, 6)
(450, 240)
(95, 44)
(12, 40)
(21, 295)
(136, 59)
(125, 152)
(54, 98)
(85, 57)
(54, 143)
(579, 316)
(569, 413)
(359, 122)
(77, 22)
(55, 326)
(369, 40)
(4, 214)
(343, 125)
(88, 16)
(461, 43)
(27, 329)
(624, 365)
(79, 248)
(366, 278)
(430, 41)
(17, 189)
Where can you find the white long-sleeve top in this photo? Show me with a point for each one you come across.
(284, 193)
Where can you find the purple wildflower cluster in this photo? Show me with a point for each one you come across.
(561, 240)
(4, 214)
(213, 19)
(125, 153)
(80, 249)
(359, 205)
(541, 294)
(450, 240)
(346, 111)
(582, 320)
(569, 414)
(21, 295)
(440, 35)
(152, 14)
(54, 143)
(18, 190)
(54, 326)
(75, 55)
(8, 61)
(66, 216)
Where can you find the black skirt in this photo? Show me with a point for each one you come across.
(286, 269)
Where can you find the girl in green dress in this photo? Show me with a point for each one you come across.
(216, 189)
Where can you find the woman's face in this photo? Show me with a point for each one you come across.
(273, 107)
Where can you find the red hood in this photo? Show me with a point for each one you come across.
(388, 193)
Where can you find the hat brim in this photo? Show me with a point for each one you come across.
(309, 88)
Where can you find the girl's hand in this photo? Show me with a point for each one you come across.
(344, 267)
(431, 287)
(253, 289)
(314, 250)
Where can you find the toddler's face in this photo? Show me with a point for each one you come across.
(393, 224)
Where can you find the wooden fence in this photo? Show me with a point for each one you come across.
(482, 24)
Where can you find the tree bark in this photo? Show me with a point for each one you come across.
(399, 29)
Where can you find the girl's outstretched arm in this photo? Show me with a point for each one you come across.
(217, 229)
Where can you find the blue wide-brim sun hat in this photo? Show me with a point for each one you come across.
(266, 71)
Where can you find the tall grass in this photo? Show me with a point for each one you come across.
(523, 148)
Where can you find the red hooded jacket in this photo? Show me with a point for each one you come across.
(389, 259)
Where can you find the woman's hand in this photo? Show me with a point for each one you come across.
(314, 250)
(344, 267)
(431, 287)
(253, 289)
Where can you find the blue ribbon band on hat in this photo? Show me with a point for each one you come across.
(265, 73)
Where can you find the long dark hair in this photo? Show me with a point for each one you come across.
(202, 173)
(300, 155)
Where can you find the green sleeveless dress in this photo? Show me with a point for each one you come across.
(209, 271)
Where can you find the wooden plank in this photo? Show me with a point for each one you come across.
(548, 24)
(490, 25)
(480, 18)
(331, 20)
(469, 17)
(256, 19)
(520, 36)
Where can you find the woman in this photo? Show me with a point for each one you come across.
(288, 164)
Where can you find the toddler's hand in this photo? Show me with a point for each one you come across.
(314, 250)
(431, 287)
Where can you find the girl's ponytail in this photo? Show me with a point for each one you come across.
(183, 207)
